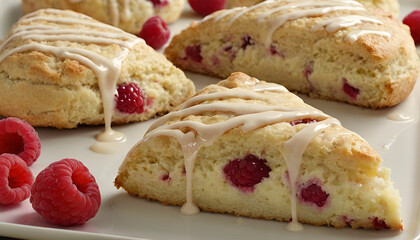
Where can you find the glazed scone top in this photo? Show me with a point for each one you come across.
(341, 19)
(244, 103)
(129, 15)
(390, 6)
(85, 43)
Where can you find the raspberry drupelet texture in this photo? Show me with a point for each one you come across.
(15, 179)
(20, 138)
(413, 21)
(155, 32)
(65, 193)
(206, 7)
(245, 173)
(130, 99)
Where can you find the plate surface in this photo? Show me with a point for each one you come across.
(122, 216)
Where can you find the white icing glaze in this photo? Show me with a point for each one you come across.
(247, 117)
(397, 116)
(336, 23)
(293, 151)
(106, 69)
(295, 9)
(126, 14)
(114, 12)
(354, 35)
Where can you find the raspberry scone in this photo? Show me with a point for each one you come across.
(254, 149)
(59, 68)
(129, 15)
(390, 6)
(332, 49)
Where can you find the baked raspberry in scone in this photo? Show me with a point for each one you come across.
(129, 15)
(59, 68)
(254, 149)
(331, 49)
(390, 6)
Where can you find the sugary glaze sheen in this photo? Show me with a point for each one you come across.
(107, 70)
(316, 8)
(100, 47)
(246, 115)
(390, 6)
(128, 15)
(330, 49)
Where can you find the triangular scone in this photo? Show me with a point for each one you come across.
(330, 49)
(240, 145)
(129, 15)
(60, 68)
(390, 6)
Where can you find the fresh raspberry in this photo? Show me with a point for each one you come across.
(313, 194)
(350, 90)
(155, 32)
(194, 52)
(205, 7)
(247, 41)
(20, 138)
(15, 179)
(130, 98)
(413, 21)
(66, 193)
(159, 3)
(303, 121)
(245, 173)
(379, 224)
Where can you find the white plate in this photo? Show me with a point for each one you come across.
(122, 216)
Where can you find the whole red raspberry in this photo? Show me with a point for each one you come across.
(206, 7)
(66, 193)
(155, 32)
(413, 21)
(245, 173)
(130, 98)
(20, 138)
(15, 179)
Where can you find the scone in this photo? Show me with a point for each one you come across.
(59, 68)
(331, 49)
(128, 15)
(390, 6)
(254, 149)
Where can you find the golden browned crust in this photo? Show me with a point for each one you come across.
(138, 11)
(49, 91)
(348, 167)
(391, 6)
(383, 69)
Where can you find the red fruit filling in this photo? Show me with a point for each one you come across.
(206, 7)
(413, 21)
(15, 179)
(379, 224)
(303, 121)
(313, 193)
(130, 98)
(194, 53)
(155, 32)
(247, 41)
(19, 138)
(308, 70)
(350, 90)
(166, 177)
(159, 3)
(245, 173)
(66, 193)
(273, 51)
